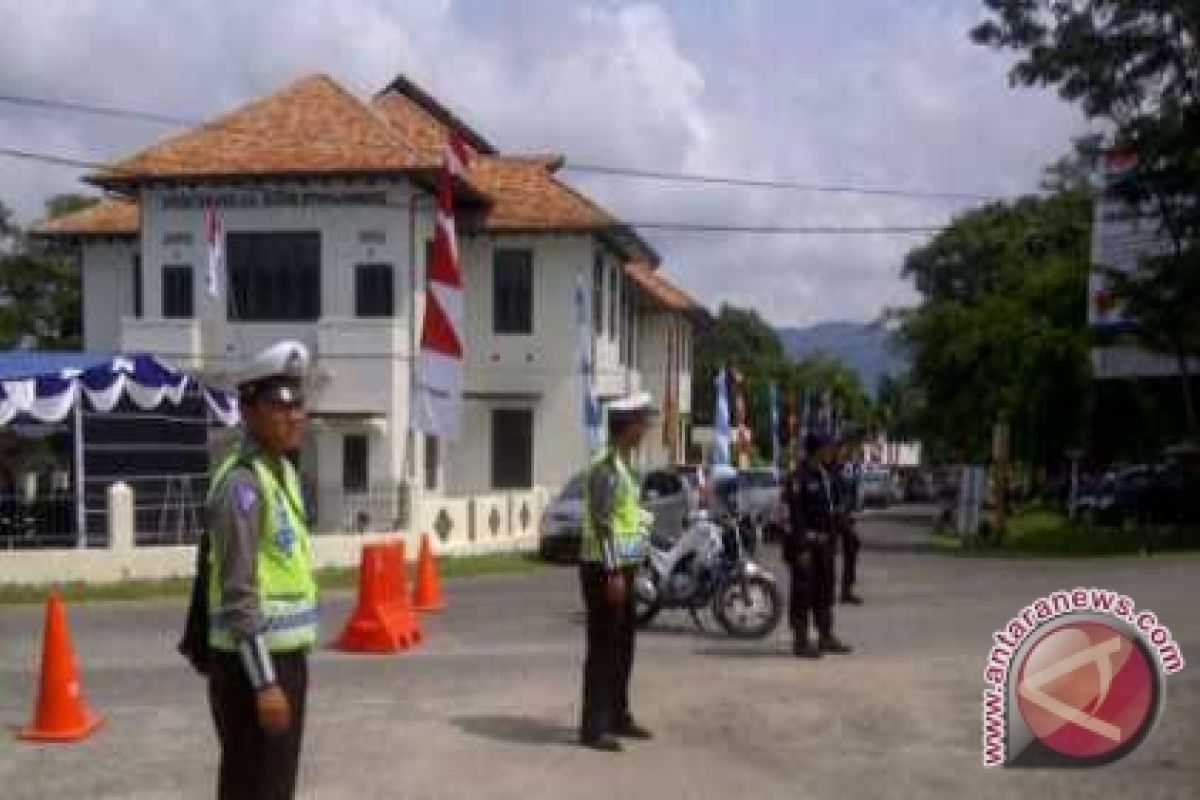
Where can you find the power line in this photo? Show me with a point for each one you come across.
(700, 227)
(678, 227)
(95, 110)
(761, 183)
(50, 158)
(598, 169)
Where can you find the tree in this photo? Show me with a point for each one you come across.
(1135, 64)
(739, 338)
(39, 293)
(998, 335)
(68, 203)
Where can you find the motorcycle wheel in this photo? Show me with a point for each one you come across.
(645, 608)
(748, 608)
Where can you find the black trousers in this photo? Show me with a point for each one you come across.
(812, 583)
(611, 631)
(850, 547)
(256, 765)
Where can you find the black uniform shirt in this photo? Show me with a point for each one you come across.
(808, 495)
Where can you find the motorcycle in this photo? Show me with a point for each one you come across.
(710, 566)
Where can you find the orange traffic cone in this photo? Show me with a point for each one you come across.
(428, 593)
(377, 624)
(397, 605)
(62, 713)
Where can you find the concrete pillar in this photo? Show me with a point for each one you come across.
(120, 517)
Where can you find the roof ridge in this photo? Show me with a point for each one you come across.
(358, 137)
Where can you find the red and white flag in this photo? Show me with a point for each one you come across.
(437, 400)
(214, 239)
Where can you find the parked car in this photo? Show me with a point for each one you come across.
(760, 501)
(663, 494)
(693, 479)
(876, 487)
(1163, 493)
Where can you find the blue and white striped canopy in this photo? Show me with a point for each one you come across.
(46, 386)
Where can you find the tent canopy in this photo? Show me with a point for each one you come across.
(46, 385)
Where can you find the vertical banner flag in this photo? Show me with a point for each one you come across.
(437, 401)
(774, 426)
(669, 424)
(805, 418)
(587, 371)
(720, 451)
(214, 239)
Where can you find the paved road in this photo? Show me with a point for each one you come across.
(486, 708)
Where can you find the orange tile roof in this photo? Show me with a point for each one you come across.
(109, 217)
(524, 194)
(422, 119)
(661, 290)
(313, 126)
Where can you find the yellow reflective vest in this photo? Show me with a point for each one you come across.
(628, 546)
(287, 589)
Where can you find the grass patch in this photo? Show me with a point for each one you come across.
(1052, 533)
(329, 579)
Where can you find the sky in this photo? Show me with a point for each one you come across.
(860, 92)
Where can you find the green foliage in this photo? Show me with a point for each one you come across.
(740, 339)
(999, 334)
(39, 293)
(62, 204)
(1135, 64)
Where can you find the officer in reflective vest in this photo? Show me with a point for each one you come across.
(261, 592)
(613, 546)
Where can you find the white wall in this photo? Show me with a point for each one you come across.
(539, 371)
(107, 267)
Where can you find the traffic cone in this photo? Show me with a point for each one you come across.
(397, 605)
(376, 626)
(62, 713)
(428, 593)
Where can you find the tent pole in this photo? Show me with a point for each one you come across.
(80, 507)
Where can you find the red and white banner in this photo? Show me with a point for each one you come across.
(437, 399)
(214, 240)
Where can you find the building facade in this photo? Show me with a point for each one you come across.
(325, 213)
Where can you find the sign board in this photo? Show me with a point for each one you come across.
(1122, 236)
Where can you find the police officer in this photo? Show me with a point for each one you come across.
(261, 592)
(810, 496)
(847, 503)
(612, 548)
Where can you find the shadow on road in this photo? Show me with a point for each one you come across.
(745, 652)
(517, 730)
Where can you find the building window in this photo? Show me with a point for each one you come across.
(137, 285)
(374, 290)
(178, 291)
(512, 448)
(512, 292)
(614, 294)
(598, 294)
(431, 462)
(355, 455)
(274, 277)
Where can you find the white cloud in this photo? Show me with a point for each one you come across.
(869, 92)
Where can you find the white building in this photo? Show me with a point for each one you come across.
(326, 211)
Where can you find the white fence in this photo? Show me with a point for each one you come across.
(488, 523)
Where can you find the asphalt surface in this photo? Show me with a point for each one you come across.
(486, 708)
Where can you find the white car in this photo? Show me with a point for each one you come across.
(876, 487)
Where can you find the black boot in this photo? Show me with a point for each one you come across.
(803, 648)
(629, 729)
(848, 596)
(604, 743)
(828, 643)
